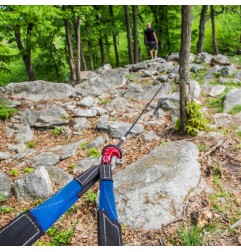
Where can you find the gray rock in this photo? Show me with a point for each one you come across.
(9, 132)
(19, 148)
(35, 185)
(215, 135)
(175, 57)
(152, 191)
(166, 67)
(100, 111)
(45, 159)
(195, 89)
(222, 119)
(80, 123)
(100, 140)
(151, 135)
(89, 90)
(86, 102)
(84, 112)
(134, 91)
(120, 103)
(110, 78)
(70, 149)
(220, 60)
(86, 75)
(138, 66)
(169, 102)
(232, 99)
(39, 90)
(237, 81)
(84, 164)
(24, 154)
(212, 72)
(203, 58)
(48, 118)
(5, 185)
(238, 75)
(4, 155)
(58, 176)
(140, 92)
(228, 71)
(196, 68)
(118, 129)
(216, 90)
(24, 134)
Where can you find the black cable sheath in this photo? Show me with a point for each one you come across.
(133, 125)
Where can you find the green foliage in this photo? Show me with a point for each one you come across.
(91, 196)
(14, 172)
(59, 238)
(58, 131)
(196, 121)
(6, 209)
(191, 237)
(30, 144)
(28, 170)
(201, 147)
(72, 167)
(5, 112)
(104, 101)
(94, 152)
(83, 146)
(235, 110)
(2, 198)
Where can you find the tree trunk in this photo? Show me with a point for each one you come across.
(128, 30)
(114, 38)
(25, 52)
(134, 10)
(184, 63)
(78, 49)
(89, 45)
(215, 46)
(73, 77)
(202, 29)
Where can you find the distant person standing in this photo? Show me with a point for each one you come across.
(151, 41)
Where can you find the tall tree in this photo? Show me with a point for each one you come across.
(26, 52)
(135, 32)
(114, 37)
(202, 28)
(72, 29)
(128, 31)
(215, 46)
(184, 63)
(100, 40)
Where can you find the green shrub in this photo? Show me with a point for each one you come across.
(5, 112)
(94, 152)
(235, 110)
(58, 131)
(191, 237)
(2, 198)
(195, 120)
(60, 237)
(30, 144)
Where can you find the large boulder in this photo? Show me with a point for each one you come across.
(110, 78)
(34, 185)
(39, 90)
(48, 118)
(232, 99)
(220, 60)
(152, 191)
(5, 185)
(118, 129)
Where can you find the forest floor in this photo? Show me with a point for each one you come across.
(207, 218)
